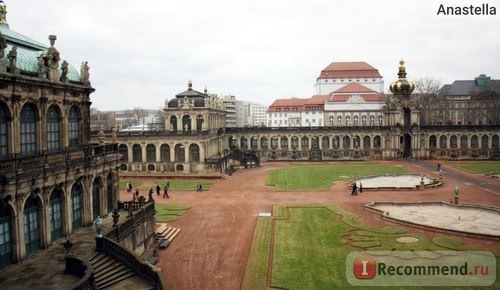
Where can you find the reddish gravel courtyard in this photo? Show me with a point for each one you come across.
(212, 249)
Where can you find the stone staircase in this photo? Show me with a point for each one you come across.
(225, 176)
(108, 271)
(165, 233)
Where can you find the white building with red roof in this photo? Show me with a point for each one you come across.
(354, 105)
(338, 74)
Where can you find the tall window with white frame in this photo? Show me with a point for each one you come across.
(74, 127)
(380, 120)
(53, 129)
(339, 120)
(76, 207)
(28, 129)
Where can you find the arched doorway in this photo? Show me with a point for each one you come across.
(32, 225)
(405, 142)
(5, 235)
(56, 214)
(179, 153)
(76, 206)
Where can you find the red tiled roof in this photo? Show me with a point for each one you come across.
(354, 88)
(358, 69)
(367, 97)
(288, 103)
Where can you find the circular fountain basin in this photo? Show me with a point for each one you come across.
(396, 181)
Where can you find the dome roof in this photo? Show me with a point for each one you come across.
(402, 86)
(194, 97)
(28, 51)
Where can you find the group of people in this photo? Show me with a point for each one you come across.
(355, 188)
(135, 197)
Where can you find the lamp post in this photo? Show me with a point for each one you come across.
(457, 191)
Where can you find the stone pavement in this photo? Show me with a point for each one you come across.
(394, 181)
(45, 269)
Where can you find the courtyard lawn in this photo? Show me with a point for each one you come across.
(305, 247)
(478, 166)
(321, 177)
(169, 212)
(185, 184)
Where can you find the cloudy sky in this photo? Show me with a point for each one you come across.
(143, 52)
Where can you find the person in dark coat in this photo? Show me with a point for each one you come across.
(158, 188)
(360, 187)
(354, 189)
(165, 192)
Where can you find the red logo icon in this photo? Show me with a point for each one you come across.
(365, 268)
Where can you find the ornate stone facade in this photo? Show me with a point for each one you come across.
(52, 179)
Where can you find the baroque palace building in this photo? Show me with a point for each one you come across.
(351, 122)
(52, 179)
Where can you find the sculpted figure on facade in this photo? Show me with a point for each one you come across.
(41, 68)
(52, 58)
(84, 73)
(12, 56)
(3, 46)
(64, 71)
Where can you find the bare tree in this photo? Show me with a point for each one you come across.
(427, 90)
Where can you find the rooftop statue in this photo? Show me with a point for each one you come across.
(3, 13)
(84, 73)
(52, 57)
(12, 56)
(64, 70)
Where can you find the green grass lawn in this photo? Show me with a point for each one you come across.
(169, 212)
(480, 168)
(185, 184)
(311, 244)
(321, 177)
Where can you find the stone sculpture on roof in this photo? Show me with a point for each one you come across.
(64, 70)
(52, 59)
(12, 56)
(3, 13)
(84, 73)
(41, 69)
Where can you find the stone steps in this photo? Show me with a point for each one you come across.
(108, 271)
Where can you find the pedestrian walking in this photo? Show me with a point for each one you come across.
(165, 192)
(354, 189)
(136, 195)
(439, 167)
(129, 186)
(360, 187)
(158, 188)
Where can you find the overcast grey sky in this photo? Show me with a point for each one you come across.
(143, 52)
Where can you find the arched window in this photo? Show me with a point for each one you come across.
(264, 143)
(194, 153)
(123, 150)
(74, 127)
(199, 122)
(432, 142)
(363, 120)
(372, 120)
(243, 143)
(4, 132)
(32, 225)
(304, 142)
(380, 120)
(331, 120)
(284, 142)
(484, 142)
(179, 153)
(356, 120)
(294, 142)
(164, 153)
(325, 142)
(186, 123)
(136, 153)
(495, 140)
(28, 129)
(336, 142)
(442, 142)
(347, 120)
(56, 214)
(474, 141)
(377, 142)
(173, 123)
(150, 153)
(253, 143)
(76, 206)
(274, 142)
(346, 142)
(366, 142)
(463, 142)
(339, 120)
(453, 141)
(53, 129)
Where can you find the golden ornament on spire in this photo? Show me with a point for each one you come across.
(3, 13)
